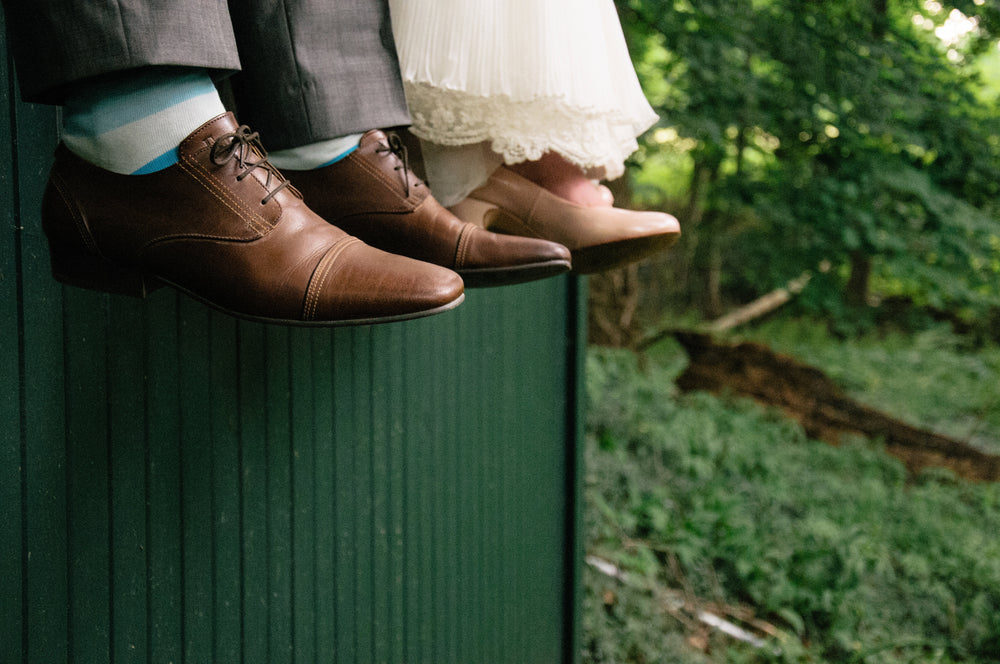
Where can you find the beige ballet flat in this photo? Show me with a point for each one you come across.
(599, 238)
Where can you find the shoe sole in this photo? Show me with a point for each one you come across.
(347, 322)
(604, 257)
(489, 277)
(140, 287)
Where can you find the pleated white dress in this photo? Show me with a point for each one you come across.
(494, 81)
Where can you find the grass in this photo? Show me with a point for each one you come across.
(927, 378)
(707, 505)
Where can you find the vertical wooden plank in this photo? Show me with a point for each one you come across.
(545, 467)
(542, 467)
(11, 353)
(323, 475)
(361, 484)
(419, 523)
(576, 321)
(44, 399)
(464, 568)
(278, 505)
(479, 400)
(522, 465)
(127, 421)
(254, 409)
(511, 387)
(346, 516)
(164, 580)
(378, 425)
(303, 460)
(486, 433)
(387, 461)
(445, 550)
(196, 477)
(88, 537)
(224, 446)
(559, 457)
(391, 376)
(508, 387)
(433, 488)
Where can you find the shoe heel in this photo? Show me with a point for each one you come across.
(80, 268)
(474, 211)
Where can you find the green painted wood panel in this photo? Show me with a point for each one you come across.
(179, 486)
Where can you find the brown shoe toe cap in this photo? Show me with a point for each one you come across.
(363, 284)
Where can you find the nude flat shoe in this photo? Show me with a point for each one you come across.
(599, 238)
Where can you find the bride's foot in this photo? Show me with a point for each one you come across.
(564, 179)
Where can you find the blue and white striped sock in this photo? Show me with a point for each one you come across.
(135, 124)
(315, 155)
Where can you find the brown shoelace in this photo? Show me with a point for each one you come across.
(396, 147)
(242, 145)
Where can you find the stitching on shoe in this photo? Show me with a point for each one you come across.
(465, 238)
(318, 279)
(221, 192)
(82, 229)
(362, 161)
(372, 169)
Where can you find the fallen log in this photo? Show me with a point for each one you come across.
(761, 306)
(825, 412)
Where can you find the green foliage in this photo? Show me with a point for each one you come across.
(988, 67)
(833, 134)
(703, 501)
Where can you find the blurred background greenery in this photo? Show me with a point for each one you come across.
(855, 143)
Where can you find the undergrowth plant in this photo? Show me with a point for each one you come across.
(930, 378)
(703, 509)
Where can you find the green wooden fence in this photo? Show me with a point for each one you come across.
(178, 486)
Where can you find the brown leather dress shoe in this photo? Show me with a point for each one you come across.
(224, 226)
(372, 194)
(600, 238)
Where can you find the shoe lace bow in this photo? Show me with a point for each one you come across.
(245, 147)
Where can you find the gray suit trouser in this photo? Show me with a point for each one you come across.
(308, 70)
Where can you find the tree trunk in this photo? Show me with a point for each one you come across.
(857, 284)
(713, 284)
